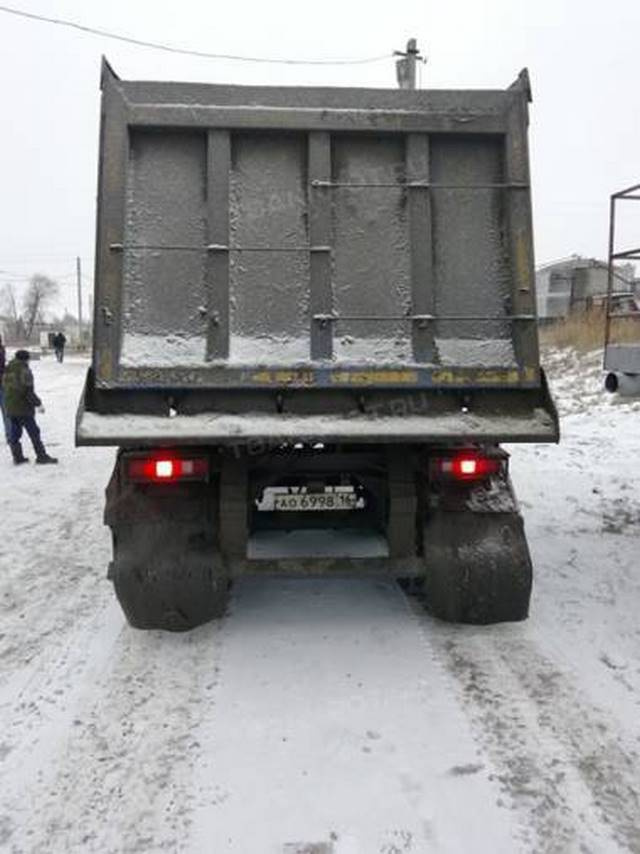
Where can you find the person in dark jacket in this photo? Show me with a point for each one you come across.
(59, 340)
(20, 401)
(3, 363)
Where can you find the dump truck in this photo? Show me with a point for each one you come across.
(314, 327)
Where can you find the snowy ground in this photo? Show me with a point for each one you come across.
(326, 717)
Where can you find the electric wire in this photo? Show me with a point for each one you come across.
(107, 34)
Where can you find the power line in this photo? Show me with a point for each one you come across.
(184, 51)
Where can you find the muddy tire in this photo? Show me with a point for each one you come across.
(478, 568)
(163, 583)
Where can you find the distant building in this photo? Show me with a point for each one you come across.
(577, 284)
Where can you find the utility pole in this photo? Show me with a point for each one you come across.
(79, 278)
(406, 67)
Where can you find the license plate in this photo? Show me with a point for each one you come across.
(315, 501)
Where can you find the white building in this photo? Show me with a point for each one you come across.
(572, 283)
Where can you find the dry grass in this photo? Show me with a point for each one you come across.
(585, 331)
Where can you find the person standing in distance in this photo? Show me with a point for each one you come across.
(59, 340)
(20, 401)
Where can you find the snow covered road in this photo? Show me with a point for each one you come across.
(326, 717)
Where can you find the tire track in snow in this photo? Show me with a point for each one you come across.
(523, 768)
(59, 582)
(38, 713)
(561, 763)
(115, 764)
(607, 760)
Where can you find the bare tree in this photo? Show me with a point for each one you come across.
(40, 291)
(8, 303)
(14, 327)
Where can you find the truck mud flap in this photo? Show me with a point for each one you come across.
(172, 598)
(167, 586)
(478, 568)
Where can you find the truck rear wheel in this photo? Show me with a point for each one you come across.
(163, 583)
(478, 568)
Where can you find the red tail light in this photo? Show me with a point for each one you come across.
(466, 465)
(166, 468)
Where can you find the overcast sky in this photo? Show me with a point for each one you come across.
(582, 56)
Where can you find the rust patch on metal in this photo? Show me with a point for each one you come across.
(523, 270)
(496, 376)
(305, 378)
(374, 377)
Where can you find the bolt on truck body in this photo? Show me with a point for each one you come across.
(314, 326)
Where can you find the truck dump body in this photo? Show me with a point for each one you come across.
(335, 264)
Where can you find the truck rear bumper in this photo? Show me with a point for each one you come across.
(522, 415)
(212, 429)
